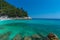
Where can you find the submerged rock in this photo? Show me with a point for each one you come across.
(46, 38)
(36, 37)
(52, 36)
(5, 36)
(17, 37)
(27, 38)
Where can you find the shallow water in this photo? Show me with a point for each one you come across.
(30, 27)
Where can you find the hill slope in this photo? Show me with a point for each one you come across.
(10, 10)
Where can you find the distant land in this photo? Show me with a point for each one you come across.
(9, 10)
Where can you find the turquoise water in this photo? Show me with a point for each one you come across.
(30, 27)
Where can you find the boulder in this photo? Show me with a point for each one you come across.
(17, 37)
(27, 38)
(52, 36)
(36, 37)
(45, 38)
(5, 36)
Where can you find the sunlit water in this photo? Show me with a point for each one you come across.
(30, 27)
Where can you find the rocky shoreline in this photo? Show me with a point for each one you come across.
(16, 18)
(50, 36)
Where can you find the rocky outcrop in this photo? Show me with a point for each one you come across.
(52, 36)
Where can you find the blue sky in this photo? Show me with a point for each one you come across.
(39, 8)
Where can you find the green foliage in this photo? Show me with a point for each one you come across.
(10, 10)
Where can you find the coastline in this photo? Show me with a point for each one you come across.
(20, 18)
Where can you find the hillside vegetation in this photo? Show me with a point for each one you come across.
(10, 10)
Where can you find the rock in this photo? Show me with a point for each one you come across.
(5, 36)
(52, 36)
(36, 37)
(27, 38)
(17, 37)
(45, 38)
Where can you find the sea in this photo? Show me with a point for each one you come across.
(30, 27)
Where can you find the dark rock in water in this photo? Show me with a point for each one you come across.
(45, 38)
(17, 37)
(36, 37)
(27, 38)
(42, 36)
(52, 36)
(5, 36)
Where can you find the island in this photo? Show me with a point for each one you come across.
(8, 11)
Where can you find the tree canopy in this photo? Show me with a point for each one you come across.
(10, 10)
